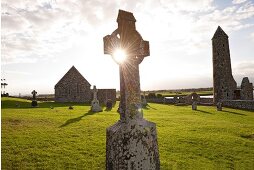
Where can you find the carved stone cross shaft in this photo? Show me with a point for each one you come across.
(95, 91)
(127, 38)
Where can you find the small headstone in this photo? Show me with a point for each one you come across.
(219, 106)
(71, 107)
(176, 100)
(109, 104)
(144, 102)
(194, 106)
(95, 105)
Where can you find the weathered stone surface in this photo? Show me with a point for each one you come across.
(132, 145)
(104, 95)
(132, 141)
(246, 89)
(144, 101)
(194, 106)
(224, 84)
(95, 105)
(239, 104)
(219, 106)
(73, 87)
(193, 97)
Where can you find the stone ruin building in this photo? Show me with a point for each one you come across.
(246, 92)
(224, 85)
(73, 87)
(193, 97)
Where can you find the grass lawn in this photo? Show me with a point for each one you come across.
(59, 138)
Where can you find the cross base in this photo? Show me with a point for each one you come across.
(132, 145)
(96, 106)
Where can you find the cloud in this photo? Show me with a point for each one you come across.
(238, 1)
(252, 36)
(244, 69)
(40, 30)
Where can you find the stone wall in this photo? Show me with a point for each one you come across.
(239, 104)
(104, 94)
(206, 100)
(155, 100)
(175, 101)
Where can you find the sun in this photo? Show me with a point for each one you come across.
(119, 55)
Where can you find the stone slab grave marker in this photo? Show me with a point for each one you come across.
(34, 102)
(194, 105)
(144, 102)
(131, 143)
(219, 106)
(95, 105)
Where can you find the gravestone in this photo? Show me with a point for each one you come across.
(34, 102)
(219, 106)
(144, 102)
(194, 106)
(95, 105)
(131, 143)
(109, 104)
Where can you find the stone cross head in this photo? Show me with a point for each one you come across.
(127, 39)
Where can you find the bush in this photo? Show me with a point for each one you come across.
(151, 95)
(159, 96)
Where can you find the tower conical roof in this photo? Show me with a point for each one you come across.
(219, 33)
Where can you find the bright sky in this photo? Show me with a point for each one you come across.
(41, 40)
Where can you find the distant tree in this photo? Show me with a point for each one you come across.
(159, 95)
(151, 95)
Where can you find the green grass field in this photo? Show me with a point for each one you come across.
(59, 138)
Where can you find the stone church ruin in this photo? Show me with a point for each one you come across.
(73, 87)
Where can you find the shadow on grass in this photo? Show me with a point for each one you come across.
(12, 104)
(233, 112)
(147, 107)
(77, 119)
(202, 111)
(251, 136)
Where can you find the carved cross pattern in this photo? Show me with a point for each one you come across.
(127, 37)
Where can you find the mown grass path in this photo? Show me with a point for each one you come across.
(59, 138)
